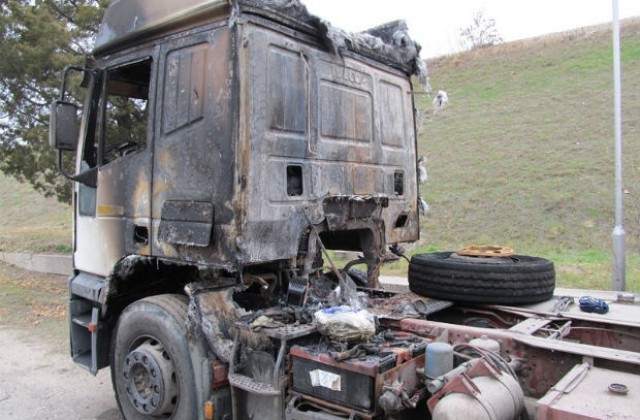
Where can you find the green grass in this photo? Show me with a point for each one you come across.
(33, 301)
(521, 157)
(523, 154)
(30, 222)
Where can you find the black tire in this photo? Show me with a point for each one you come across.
(514, 280)
(155, 327)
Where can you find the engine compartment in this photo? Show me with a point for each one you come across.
(499, 361)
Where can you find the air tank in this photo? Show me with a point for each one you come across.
(499, 399)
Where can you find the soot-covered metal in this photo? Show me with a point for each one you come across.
(264, 116)
(244, 141)
(226, 148)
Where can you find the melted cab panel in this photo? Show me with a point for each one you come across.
(255, 121)
(319, 126)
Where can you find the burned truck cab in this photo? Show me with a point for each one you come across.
(224, 151)
(218, 133)
(229, 145)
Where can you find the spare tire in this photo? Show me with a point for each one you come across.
(514, 280)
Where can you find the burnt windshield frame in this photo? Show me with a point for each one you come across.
(124, 121)
(89, 157)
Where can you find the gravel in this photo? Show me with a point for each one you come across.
(39, 381)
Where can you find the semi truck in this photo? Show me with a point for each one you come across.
(223, 152)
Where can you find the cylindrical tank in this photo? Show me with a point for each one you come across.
(498, 400)
(439, 359)
(485, 343)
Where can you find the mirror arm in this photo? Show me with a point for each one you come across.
(60, 169)
(88, 177)
(63, 88)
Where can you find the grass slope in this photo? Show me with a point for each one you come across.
(523, 154)
(30, 222)
(36, 302)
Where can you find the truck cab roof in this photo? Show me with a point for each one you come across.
(128, 21)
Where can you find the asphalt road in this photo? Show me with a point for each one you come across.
(39, 381)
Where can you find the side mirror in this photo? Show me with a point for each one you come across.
(63, 126)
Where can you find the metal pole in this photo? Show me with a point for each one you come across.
(618, 234)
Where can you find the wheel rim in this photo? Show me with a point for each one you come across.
(150, 379)
(489, 251)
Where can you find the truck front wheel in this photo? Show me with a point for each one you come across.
(151, 368)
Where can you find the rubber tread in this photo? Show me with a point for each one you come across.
(173, 312)
(522, 280)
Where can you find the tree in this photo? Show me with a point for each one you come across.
(38, 38)
(481, 33)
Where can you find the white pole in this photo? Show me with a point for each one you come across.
(618, 234)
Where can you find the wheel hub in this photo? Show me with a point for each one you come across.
(489, 251)
(150, 379)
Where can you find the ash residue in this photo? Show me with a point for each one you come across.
(389, 43)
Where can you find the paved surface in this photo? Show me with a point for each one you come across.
(37, 382)
(621, 313)
(53, 264)
(394, 284)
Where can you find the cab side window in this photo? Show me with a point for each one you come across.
(117, 121)
(124, 110)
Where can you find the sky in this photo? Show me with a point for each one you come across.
(436, 25)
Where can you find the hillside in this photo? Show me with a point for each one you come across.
(523, 153)
(30, 222)
(522, 156)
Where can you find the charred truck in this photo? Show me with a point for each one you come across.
(224, 150)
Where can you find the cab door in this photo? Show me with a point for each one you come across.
(193, 175)
(113, 216)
